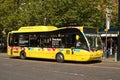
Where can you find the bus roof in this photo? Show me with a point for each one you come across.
(82, 28)
(36, 29)
(50, 28)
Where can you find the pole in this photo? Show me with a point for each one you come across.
(106, 56)
(107, 27)
(118, 47)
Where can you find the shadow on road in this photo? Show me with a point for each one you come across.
(88, 62)
(51, 60)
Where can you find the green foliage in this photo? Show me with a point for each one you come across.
(17, 13)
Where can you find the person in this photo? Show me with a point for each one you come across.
(78, 43)
(4, 32)
(104, 51)
(4, 42)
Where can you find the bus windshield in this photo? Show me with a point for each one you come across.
(95, 41)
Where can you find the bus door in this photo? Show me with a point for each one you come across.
(13, 48)
(80, 48)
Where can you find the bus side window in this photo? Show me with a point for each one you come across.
(69, 40)
(15, 40)
(10, 40)
(41, 42)
(33, 40)
(46, 42)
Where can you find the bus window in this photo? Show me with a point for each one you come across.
(13, 40)
(44, 40)
(69, 40)
(33, 40)
(10, 40)
(47, 42)
(23, 40)
(81, 42)
(56, 42)
(94, 41)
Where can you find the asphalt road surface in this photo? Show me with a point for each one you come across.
(38, 69)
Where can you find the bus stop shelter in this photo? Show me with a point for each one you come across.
(110, 40)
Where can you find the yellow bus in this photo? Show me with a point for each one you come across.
(60, 44)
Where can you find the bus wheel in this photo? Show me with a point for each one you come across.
(60, 58)
(23, 55)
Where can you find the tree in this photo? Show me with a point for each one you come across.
(17, 13)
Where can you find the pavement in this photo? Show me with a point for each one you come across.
(110, 59)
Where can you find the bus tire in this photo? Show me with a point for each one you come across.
(23, 55)
(60, 58)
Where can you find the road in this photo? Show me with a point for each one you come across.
(37, 69)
